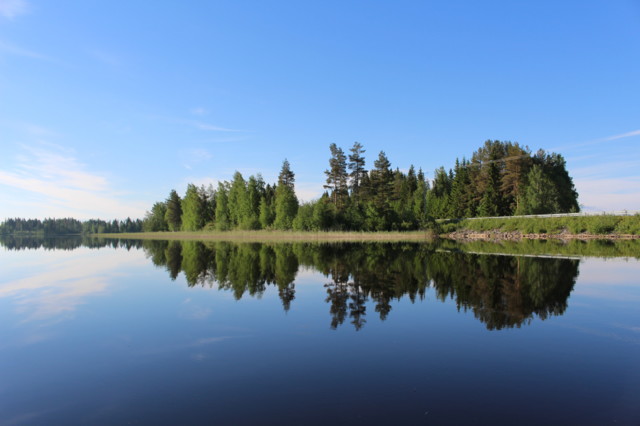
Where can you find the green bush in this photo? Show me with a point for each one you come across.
(602, 224)
(629, 225)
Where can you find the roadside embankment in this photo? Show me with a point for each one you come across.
(566, 228)
(498, 235)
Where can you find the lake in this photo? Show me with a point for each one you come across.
(97, 332)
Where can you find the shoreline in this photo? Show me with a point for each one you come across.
(397, 236)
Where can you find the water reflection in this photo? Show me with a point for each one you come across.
(45, 290)
(501, 291)
(65, 243)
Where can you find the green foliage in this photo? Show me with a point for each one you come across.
(223, 219)
(358, 173)
(267, 213)
(193, 209)
(597, 225)
(47, 227)
(304, 219)
(155, 220)
(286, 207)
(337, 177)
(173, 216)
(286, 202)
(541, 195)
(501, 178)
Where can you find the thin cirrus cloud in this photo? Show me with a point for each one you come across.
(622, 136)
(12, 49)
(206, 126)
(13, 8)
(62, 186)
(597, 141)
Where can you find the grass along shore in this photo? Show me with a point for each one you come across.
(601, 226)
(283, 236)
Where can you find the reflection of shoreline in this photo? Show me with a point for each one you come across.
(578, 248)
(502, 291)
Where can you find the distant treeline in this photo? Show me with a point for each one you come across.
(67, 226)
(501, 178)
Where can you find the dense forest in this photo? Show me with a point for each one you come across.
(67, 226)
(500, 179)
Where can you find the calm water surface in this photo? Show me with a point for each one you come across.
(219, 333)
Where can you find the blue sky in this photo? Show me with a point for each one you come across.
(105, 106)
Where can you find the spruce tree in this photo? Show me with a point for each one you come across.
(337, 178)
(174, 211)
(193, 209)
(286, 202)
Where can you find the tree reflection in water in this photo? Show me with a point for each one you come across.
(501, 291)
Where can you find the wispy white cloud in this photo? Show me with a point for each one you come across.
(12, 8)
(195, 124)
(62, 186)
(596, 141)
(226, 139)
(623, 135)
(207, 127)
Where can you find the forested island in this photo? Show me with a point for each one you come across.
(500, 179)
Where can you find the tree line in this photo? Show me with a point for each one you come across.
(67, 226)
(500, 179)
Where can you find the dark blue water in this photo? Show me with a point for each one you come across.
(304, 334)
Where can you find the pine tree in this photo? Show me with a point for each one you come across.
(337, 177)
(358, 172)
(286, 176)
